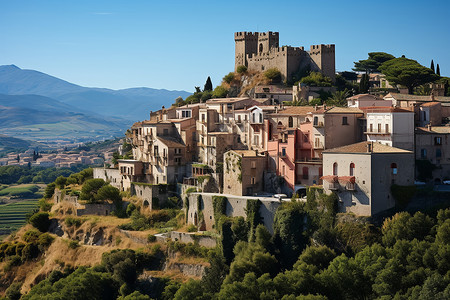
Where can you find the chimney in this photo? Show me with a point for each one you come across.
(429, 126)
(324, 107)
(369, 147)
(315, 107)
(432, 96)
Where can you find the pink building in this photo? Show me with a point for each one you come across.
(291, 156)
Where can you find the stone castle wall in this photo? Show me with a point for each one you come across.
(236, 206)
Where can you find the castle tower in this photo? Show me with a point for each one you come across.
(267, 41)
(245, 43)
(323, 60)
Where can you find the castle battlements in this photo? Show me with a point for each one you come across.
(260, 51)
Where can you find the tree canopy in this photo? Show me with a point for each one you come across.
(407, 72)
(316, 79)
(208, 85)
(372, 64)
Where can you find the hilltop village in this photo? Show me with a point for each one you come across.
(254, 145)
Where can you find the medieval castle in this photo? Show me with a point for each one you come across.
(260, 51)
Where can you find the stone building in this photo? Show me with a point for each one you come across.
(432, 143)
(243, 172)
(260, 51)
(362, 174)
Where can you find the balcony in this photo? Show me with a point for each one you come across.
(381, 132)
(318, 145)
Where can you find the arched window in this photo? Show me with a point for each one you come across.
(352, 169)
(394, 168)
(335, 169)
(260, 47)
(291, 122)
(316, 121)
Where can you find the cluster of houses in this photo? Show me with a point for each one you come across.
(252, 146)
(60, 159)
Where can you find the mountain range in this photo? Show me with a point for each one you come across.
(40, 107)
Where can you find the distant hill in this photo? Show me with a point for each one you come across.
(133, 104)
(40, 118)
(10, 144)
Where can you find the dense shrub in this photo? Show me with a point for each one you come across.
(40, 221)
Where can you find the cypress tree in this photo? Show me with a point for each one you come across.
(432, 66)
(438, 71)
(364, 84)
(208, 85)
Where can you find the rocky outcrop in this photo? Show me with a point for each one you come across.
(88, 235)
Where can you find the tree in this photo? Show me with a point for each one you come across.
(229, 77)
(13, 291)
(339, 98)
(241, 69)
(438, 71)
(40, 221)
(372, 64)
(219, 92)
(90, 189)
(407, 72)
(364, 83)
(208, 85)
(316, 79)
(432, 66)
(273, 74)
(61, 182)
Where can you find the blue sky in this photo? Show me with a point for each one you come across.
(178, 44)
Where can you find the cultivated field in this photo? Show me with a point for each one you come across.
(15, 202)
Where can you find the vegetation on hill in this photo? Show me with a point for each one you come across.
(21, 174)
(407, 72)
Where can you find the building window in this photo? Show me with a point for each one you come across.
(352, 169)
(260, 118)
(252, 181)
(438, 141)
(253, 164)
(305, 172)
(379, 127)
(344, 121)
(423, 153)
(203, 117)
(284, 171)
(283, 152)
(371, 127)
(166, 131)
(387, 128)
(291, 122)
(438, 153)
(394, 168)
(316, 121)
(335, 169)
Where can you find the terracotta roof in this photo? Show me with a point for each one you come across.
(434, 129)
(226, 100)
(250, 153)
(344, 110)
(347, 179)
(356, 97)
(408, 97)
(330, 178)
(171, 142)
(431, 104)
(362, 147)
(296, 110)
(384, 109)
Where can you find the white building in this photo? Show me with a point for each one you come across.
(390, 126)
